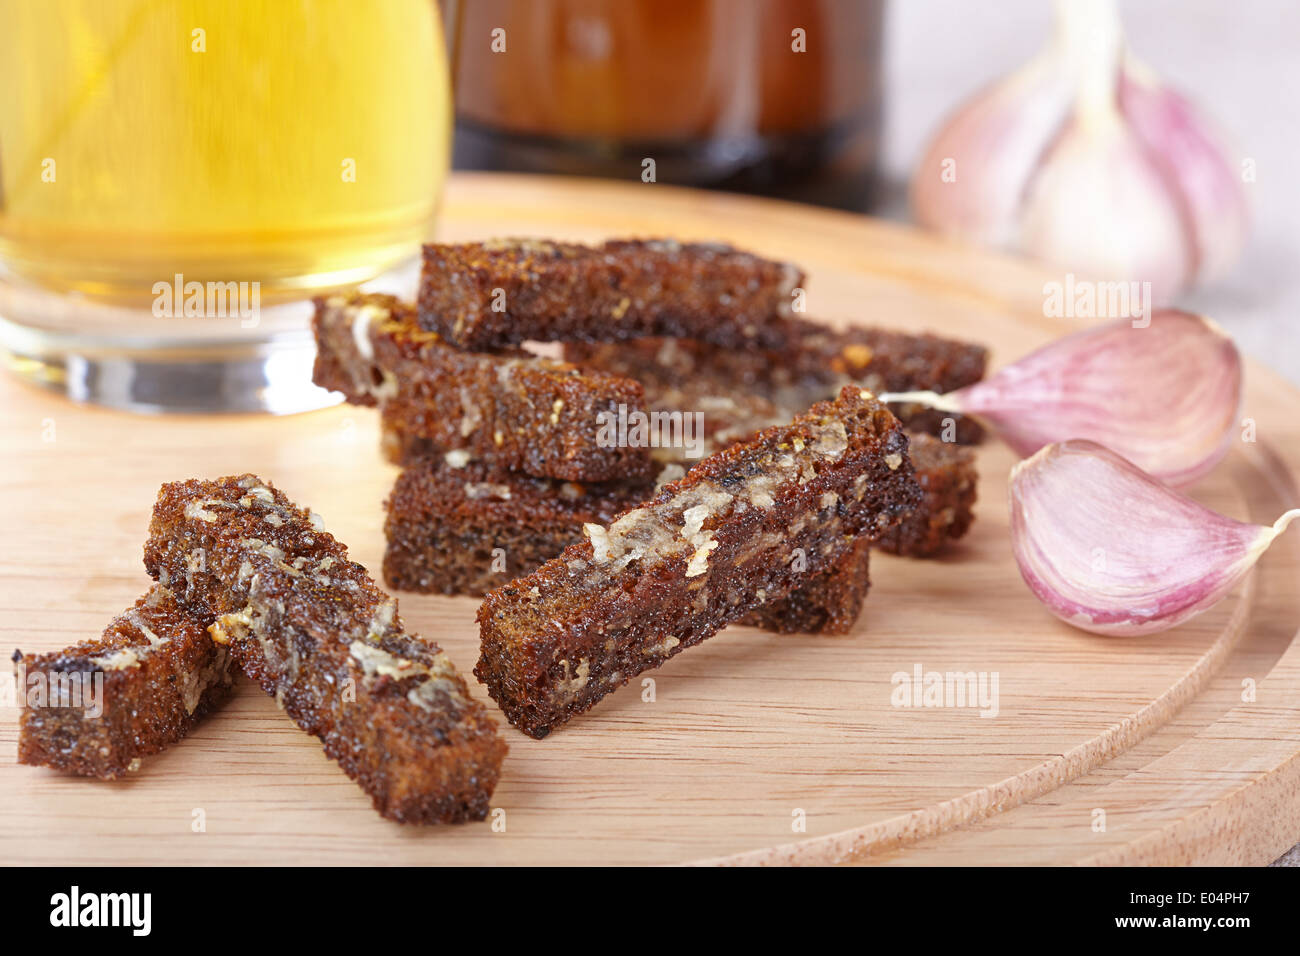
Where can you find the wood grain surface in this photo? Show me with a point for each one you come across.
(752, 748)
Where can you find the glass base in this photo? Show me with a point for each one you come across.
(273, 377)
(131, 358)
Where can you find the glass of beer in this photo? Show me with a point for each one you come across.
(179, 177)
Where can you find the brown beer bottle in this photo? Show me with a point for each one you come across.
(774, 97)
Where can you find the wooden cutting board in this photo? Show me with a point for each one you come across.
(755, 748)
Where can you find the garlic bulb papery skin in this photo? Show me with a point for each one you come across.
(1110, 550)
(1083, 159)
(1184, 144)
(1165, 396)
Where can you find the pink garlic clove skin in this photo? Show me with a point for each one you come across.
(1110, 550)
(1165, 396)
(1184, 146)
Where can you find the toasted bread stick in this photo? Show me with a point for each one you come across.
(486, 295)
(514, 409)
(740, 529)
(814, 363)
(98, 707)
(465, 528)
(312, 629)
(946, 475)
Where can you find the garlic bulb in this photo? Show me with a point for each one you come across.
(1164, 396)
(1083, 159)
(1110, 550)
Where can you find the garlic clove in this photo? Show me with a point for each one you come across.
(1189, 153)
(970, 182)
(1110, 550)
(1100, 205)
(1165, 396)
